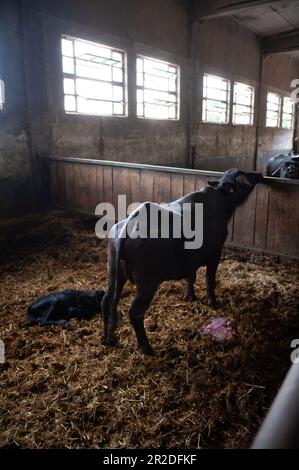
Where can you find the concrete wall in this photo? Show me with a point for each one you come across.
(150, 27)
(15, 163)
(113, 138)
(33, 121)
(227, 49)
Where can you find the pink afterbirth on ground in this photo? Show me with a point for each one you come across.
(220, 329)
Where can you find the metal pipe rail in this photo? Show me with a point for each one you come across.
(280, 430)
(162, 168)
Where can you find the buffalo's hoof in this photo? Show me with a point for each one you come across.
(109, 341)
(147, 350)
(213, 304)
(190, 298)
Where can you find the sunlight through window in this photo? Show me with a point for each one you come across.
(243, 105)
(273, 110)
(287, 113)
(157, 89)
(215, 105)
(94, 78)
(1, 94)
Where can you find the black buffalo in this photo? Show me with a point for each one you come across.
(284, 166)
(149, 261)
(60, 307)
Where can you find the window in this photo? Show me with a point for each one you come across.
(243, 104)
(94, 78)
(157, 89)
(273, 110)
(287, 113)
(215, 106)
(1, 94)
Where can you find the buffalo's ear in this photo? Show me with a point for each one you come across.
(241, 179)
(214, 184)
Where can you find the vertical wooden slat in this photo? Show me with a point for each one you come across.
(189, 184)
(164, 187)
(108, 184)
(200, 182)
(177, 186)
(121, 187)
(156, 187)
(81, 179)
(69, 185)
(76, 188)
(53, 183)
(272, 219)
(135, 186)
(60, 184)
(126, 184)
(230, 228)
(100, 185)
(261, 217)
(116, 177)
(244, 222)
(92, 189)
(280, 221)
(134, 181)
(147, 185)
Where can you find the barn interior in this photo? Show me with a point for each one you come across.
(188, 89)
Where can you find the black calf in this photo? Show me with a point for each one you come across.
(60, 307)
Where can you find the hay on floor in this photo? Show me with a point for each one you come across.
(62, 388)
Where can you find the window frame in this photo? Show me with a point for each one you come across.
(251, 106)
(205, 99)
(175, 93)
(279, 110)
(2, 94)
(74, 77)
(290, 114)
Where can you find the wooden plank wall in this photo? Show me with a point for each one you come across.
(267, 222)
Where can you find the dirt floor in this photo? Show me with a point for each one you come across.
(62, 388)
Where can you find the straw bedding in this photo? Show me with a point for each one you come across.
(63, 388)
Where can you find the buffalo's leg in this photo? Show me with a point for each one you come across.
(109, 302)
(80, 314)
(46, 319)
(190, 293)
(140, 304)
(211, 281)
(109, 309)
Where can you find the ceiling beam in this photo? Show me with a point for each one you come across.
(282, 42)
(209, 9)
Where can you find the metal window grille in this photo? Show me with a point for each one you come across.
(2, 94)
(157, 89)
(94, 78)
(243, 104)
(216, 98)
(273, 110)
(287, 113)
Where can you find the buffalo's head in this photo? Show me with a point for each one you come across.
(290, 169)
(237, 184)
